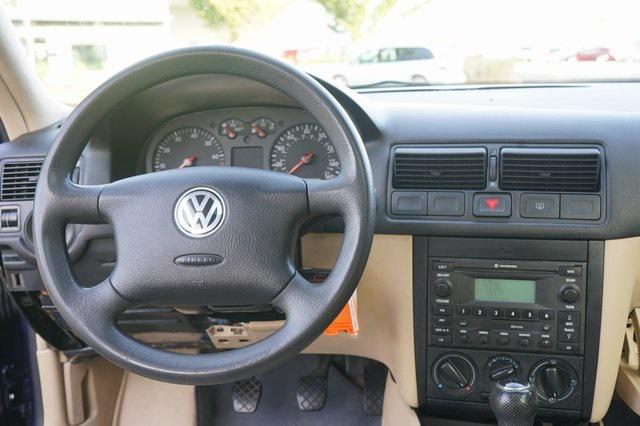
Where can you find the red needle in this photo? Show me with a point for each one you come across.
(306, 159)
(260, 131)
(187, 162)
(230, 133)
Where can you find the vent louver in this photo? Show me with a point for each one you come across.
(440, 168)
(19, 179)
(550, 169)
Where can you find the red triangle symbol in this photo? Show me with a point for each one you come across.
(492, 203)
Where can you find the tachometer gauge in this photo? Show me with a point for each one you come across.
(263, 127)
(306, 151)
(187, 147)
(232, 128)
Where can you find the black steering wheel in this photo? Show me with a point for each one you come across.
(203, 236)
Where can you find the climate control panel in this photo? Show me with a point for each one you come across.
(469, 376)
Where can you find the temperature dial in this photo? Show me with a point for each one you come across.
(454, 374)
(503, 369)
(554, 380)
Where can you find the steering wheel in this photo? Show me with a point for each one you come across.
(220, 236)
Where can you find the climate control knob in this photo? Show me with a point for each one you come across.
(570, 294)
(503, 369)
(554, 380)
(454, 374)
(442, 288)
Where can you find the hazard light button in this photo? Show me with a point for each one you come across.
(492, 205)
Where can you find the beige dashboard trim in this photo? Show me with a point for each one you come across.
(385, 306)
(25, 104)
(621, 272)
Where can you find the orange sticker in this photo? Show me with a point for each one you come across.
(346, 321)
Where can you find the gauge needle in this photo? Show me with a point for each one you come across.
(187, 162)
(260, 131)
(230, 133)
(306, 159)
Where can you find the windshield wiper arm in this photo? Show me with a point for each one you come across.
(389, 83)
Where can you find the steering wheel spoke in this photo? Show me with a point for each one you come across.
(326, 196)
(73, 203)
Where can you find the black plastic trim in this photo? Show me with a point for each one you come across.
(420, 288)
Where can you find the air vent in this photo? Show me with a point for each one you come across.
(440, 168)
(19, 179)
(550, 169)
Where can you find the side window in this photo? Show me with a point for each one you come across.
(368, 57)
(388, 55)
(414, 54)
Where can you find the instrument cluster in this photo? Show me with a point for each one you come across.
(286, 140)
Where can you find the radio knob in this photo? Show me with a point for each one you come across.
(570, 294)
(442, 288)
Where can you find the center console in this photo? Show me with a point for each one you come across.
(508, 311)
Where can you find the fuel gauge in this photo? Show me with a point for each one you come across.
(262, 127)
(232, 128)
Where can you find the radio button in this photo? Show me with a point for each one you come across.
(513, 314)
(524, 341)
(479, 312)
(530, 314)
(569, 347)
(463, 311)
(443, 320)
(502, 340)
(546, 315)
(463, 338)
(570, 271)
(442, 288)
(442, 331)
(545, 343)
(496, 312)
(463, 323)
(546, 328)
(443, 310)
(442, 266)
(483, 337)
(442, 340)
(569, 337)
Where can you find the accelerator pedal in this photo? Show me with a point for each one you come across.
(246, 395)
(375, 377)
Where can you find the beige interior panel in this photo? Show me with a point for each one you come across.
(395, 410)
(144, 401)
(621, 272)
(385, 306)
(25, 104)
(51, 385)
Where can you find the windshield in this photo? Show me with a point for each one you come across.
(76, 44)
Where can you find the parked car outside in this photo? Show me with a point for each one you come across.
(412, 64)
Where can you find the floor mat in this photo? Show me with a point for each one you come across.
(278, 405)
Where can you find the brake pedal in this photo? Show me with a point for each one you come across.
(311, 393)
(246, 395)
(375, 377)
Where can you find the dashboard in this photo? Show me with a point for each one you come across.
(286, 140)
(476, 218)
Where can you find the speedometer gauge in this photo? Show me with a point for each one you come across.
(306, 151)
(187, 147)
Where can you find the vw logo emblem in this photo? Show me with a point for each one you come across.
(199, 212)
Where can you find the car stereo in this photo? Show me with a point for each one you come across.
(529, 306)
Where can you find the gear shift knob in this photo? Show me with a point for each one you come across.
(514, 404)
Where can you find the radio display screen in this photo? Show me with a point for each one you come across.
(502, 290)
